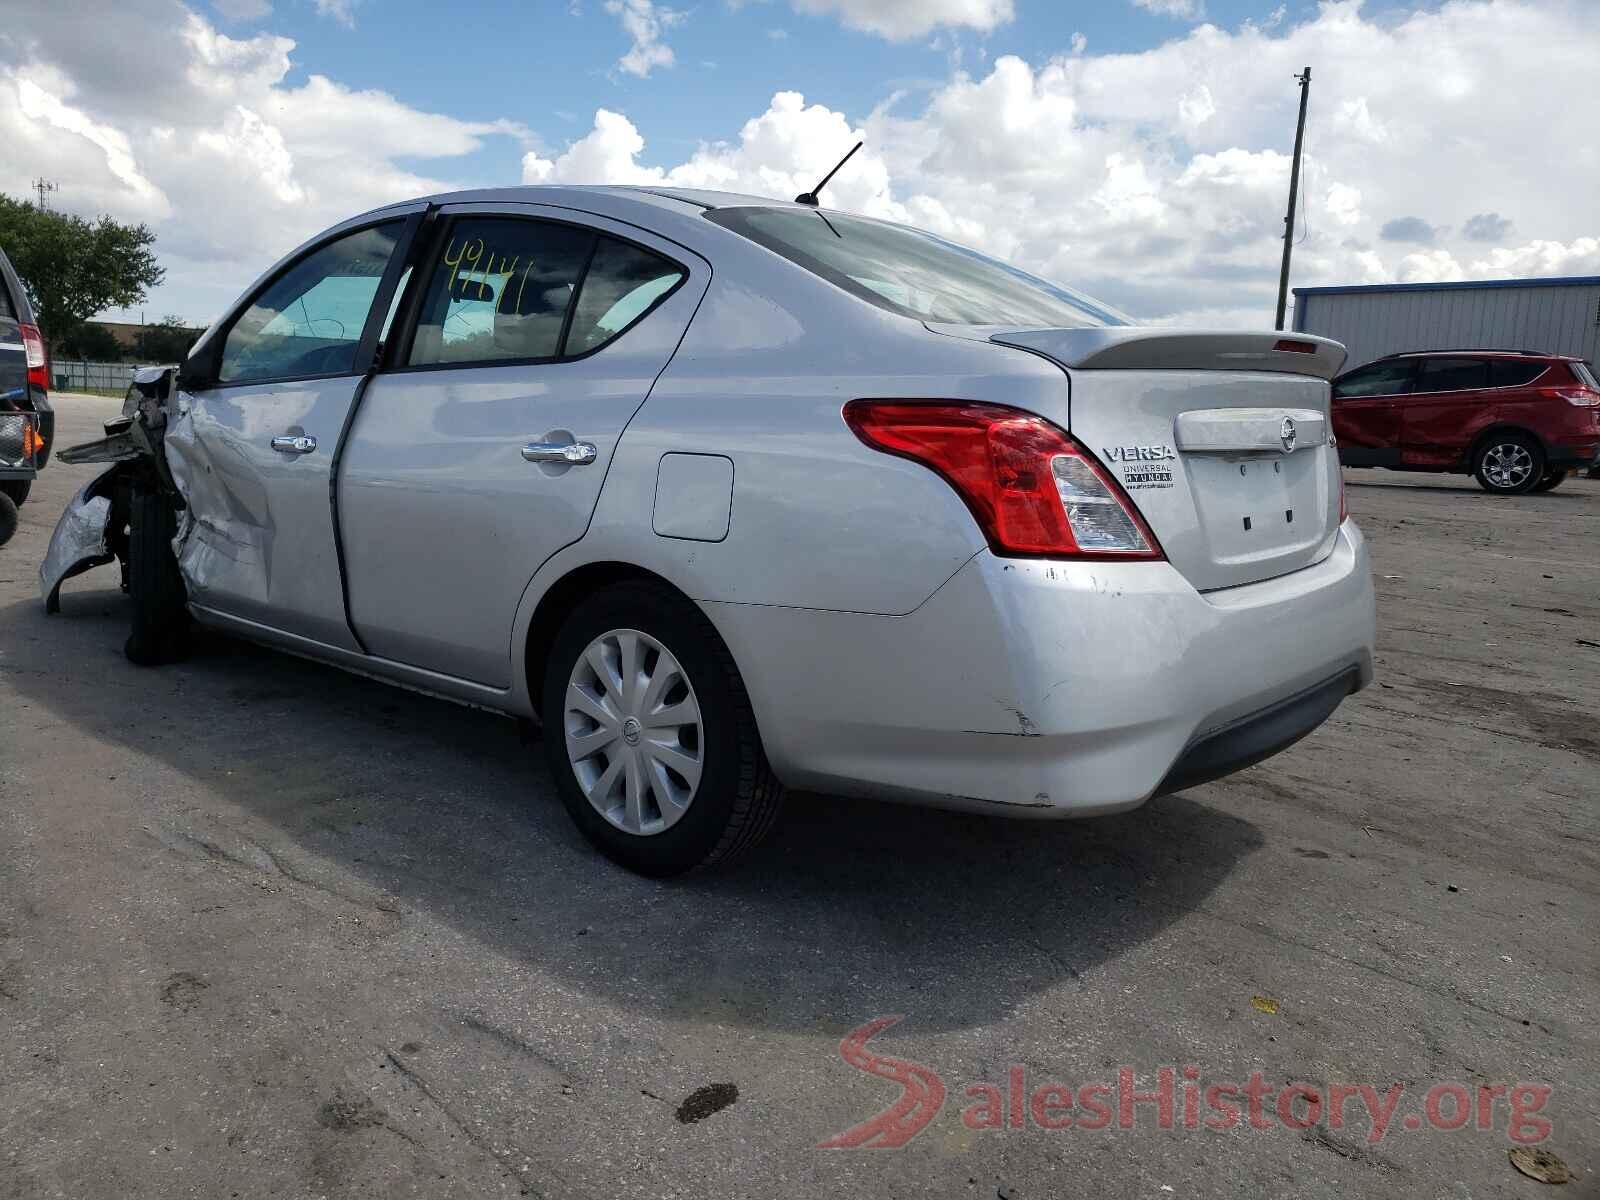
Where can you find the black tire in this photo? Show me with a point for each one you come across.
(8, 518)
(737, 798)
(1551, 481)
(1500, 448)
(160, 621)
(16, 489)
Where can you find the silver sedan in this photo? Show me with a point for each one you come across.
(735, 495)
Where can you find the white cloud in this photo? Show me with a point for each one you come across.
(644, 22)
(228, 162)
(1156, 179)
(342, 11)
(903, 19)
(1189, 10)
(242, 10)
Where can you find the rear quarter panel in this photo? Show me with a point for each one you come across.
(818, 519)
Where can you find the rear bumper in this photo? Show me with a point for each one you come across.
(1045, 689)
(1575, 456)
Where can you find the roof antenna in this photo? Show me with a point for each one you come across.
(811, 196)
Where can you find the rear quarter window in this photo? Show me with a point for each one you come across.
(1508, 372)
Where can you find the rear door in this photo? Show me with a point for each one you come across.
(253, 450)
(1445, 410)
(1366, 412)
(535, 335)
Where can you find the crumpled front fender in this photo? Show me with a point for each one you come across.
(79, 541)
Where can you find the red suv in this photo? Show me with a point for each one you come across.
(1518, 421)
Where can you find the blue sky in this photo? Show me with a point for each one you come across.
(1135, 149)
(550, 64)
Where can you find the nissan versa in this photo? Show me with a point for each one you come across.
(735, 495)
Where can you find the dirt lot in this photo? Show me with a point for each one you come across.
(267, 929)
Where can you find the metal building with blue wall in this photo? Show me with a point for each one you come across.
(1552, 316)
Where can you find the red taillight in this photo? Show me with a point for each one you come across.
(1290, 346)
(1576, 396)
(38, 366)
(1032, 489)
(1344, 509)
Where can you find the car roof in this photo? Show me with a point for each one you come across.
(1482, 353)
(658, 197)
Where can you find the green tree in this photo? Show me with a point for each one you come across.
(75, 268)
(167, 341)
(91, 341)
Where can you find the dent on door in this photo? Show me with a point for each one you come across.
(256, 537)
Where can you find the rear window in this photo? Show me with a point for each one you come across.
(8, 311)
(1508, 372)
(913, 273)
(1585, 374)
(1453, 375)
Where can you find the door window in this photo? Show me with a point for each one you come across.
(1380, 379)
(1453, 374)
(500, 291)
(623, 283)
(309, 320)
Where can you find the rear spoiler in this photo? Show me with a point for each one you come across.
(1131, 348)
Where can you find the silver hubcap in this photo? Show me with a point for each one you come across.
(1508, 465)
(633, 732)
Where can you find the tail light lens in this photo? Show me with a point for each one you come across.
(32, 443)
(1031, 488)
(1581, 397)
(38, 365)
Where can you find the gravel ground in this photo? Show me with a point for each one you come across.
(267, 929)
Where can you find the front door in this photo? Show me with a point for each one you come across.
(534, 335)
(252, 452)
(1366, 412)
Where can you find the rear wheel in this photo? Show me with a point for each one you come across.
(1551, 481)
(8, 518)
(160, 620)
(649, 734)
(17, 489)
(1509, 464)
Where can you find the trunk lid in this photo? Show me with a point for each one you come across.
(1222, 440)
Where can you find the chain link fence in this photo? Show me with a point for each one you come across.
(79, 376)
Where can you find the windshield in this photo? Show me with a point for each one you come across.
(914, 273)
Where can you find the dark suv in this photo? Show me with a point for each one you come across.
(1519, 421)
(24, 389)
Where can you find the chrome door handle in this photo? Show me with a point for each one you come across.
(291, 443)
(572, 454)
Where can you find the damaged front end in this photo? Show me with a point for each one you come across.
(95, 527)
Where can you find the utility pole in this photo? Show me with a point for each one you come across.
(44, 187)
(1294, 195)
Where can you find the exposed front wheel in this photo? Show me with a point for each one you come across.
(160, 620)
(1509, 464)
(649, 734)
